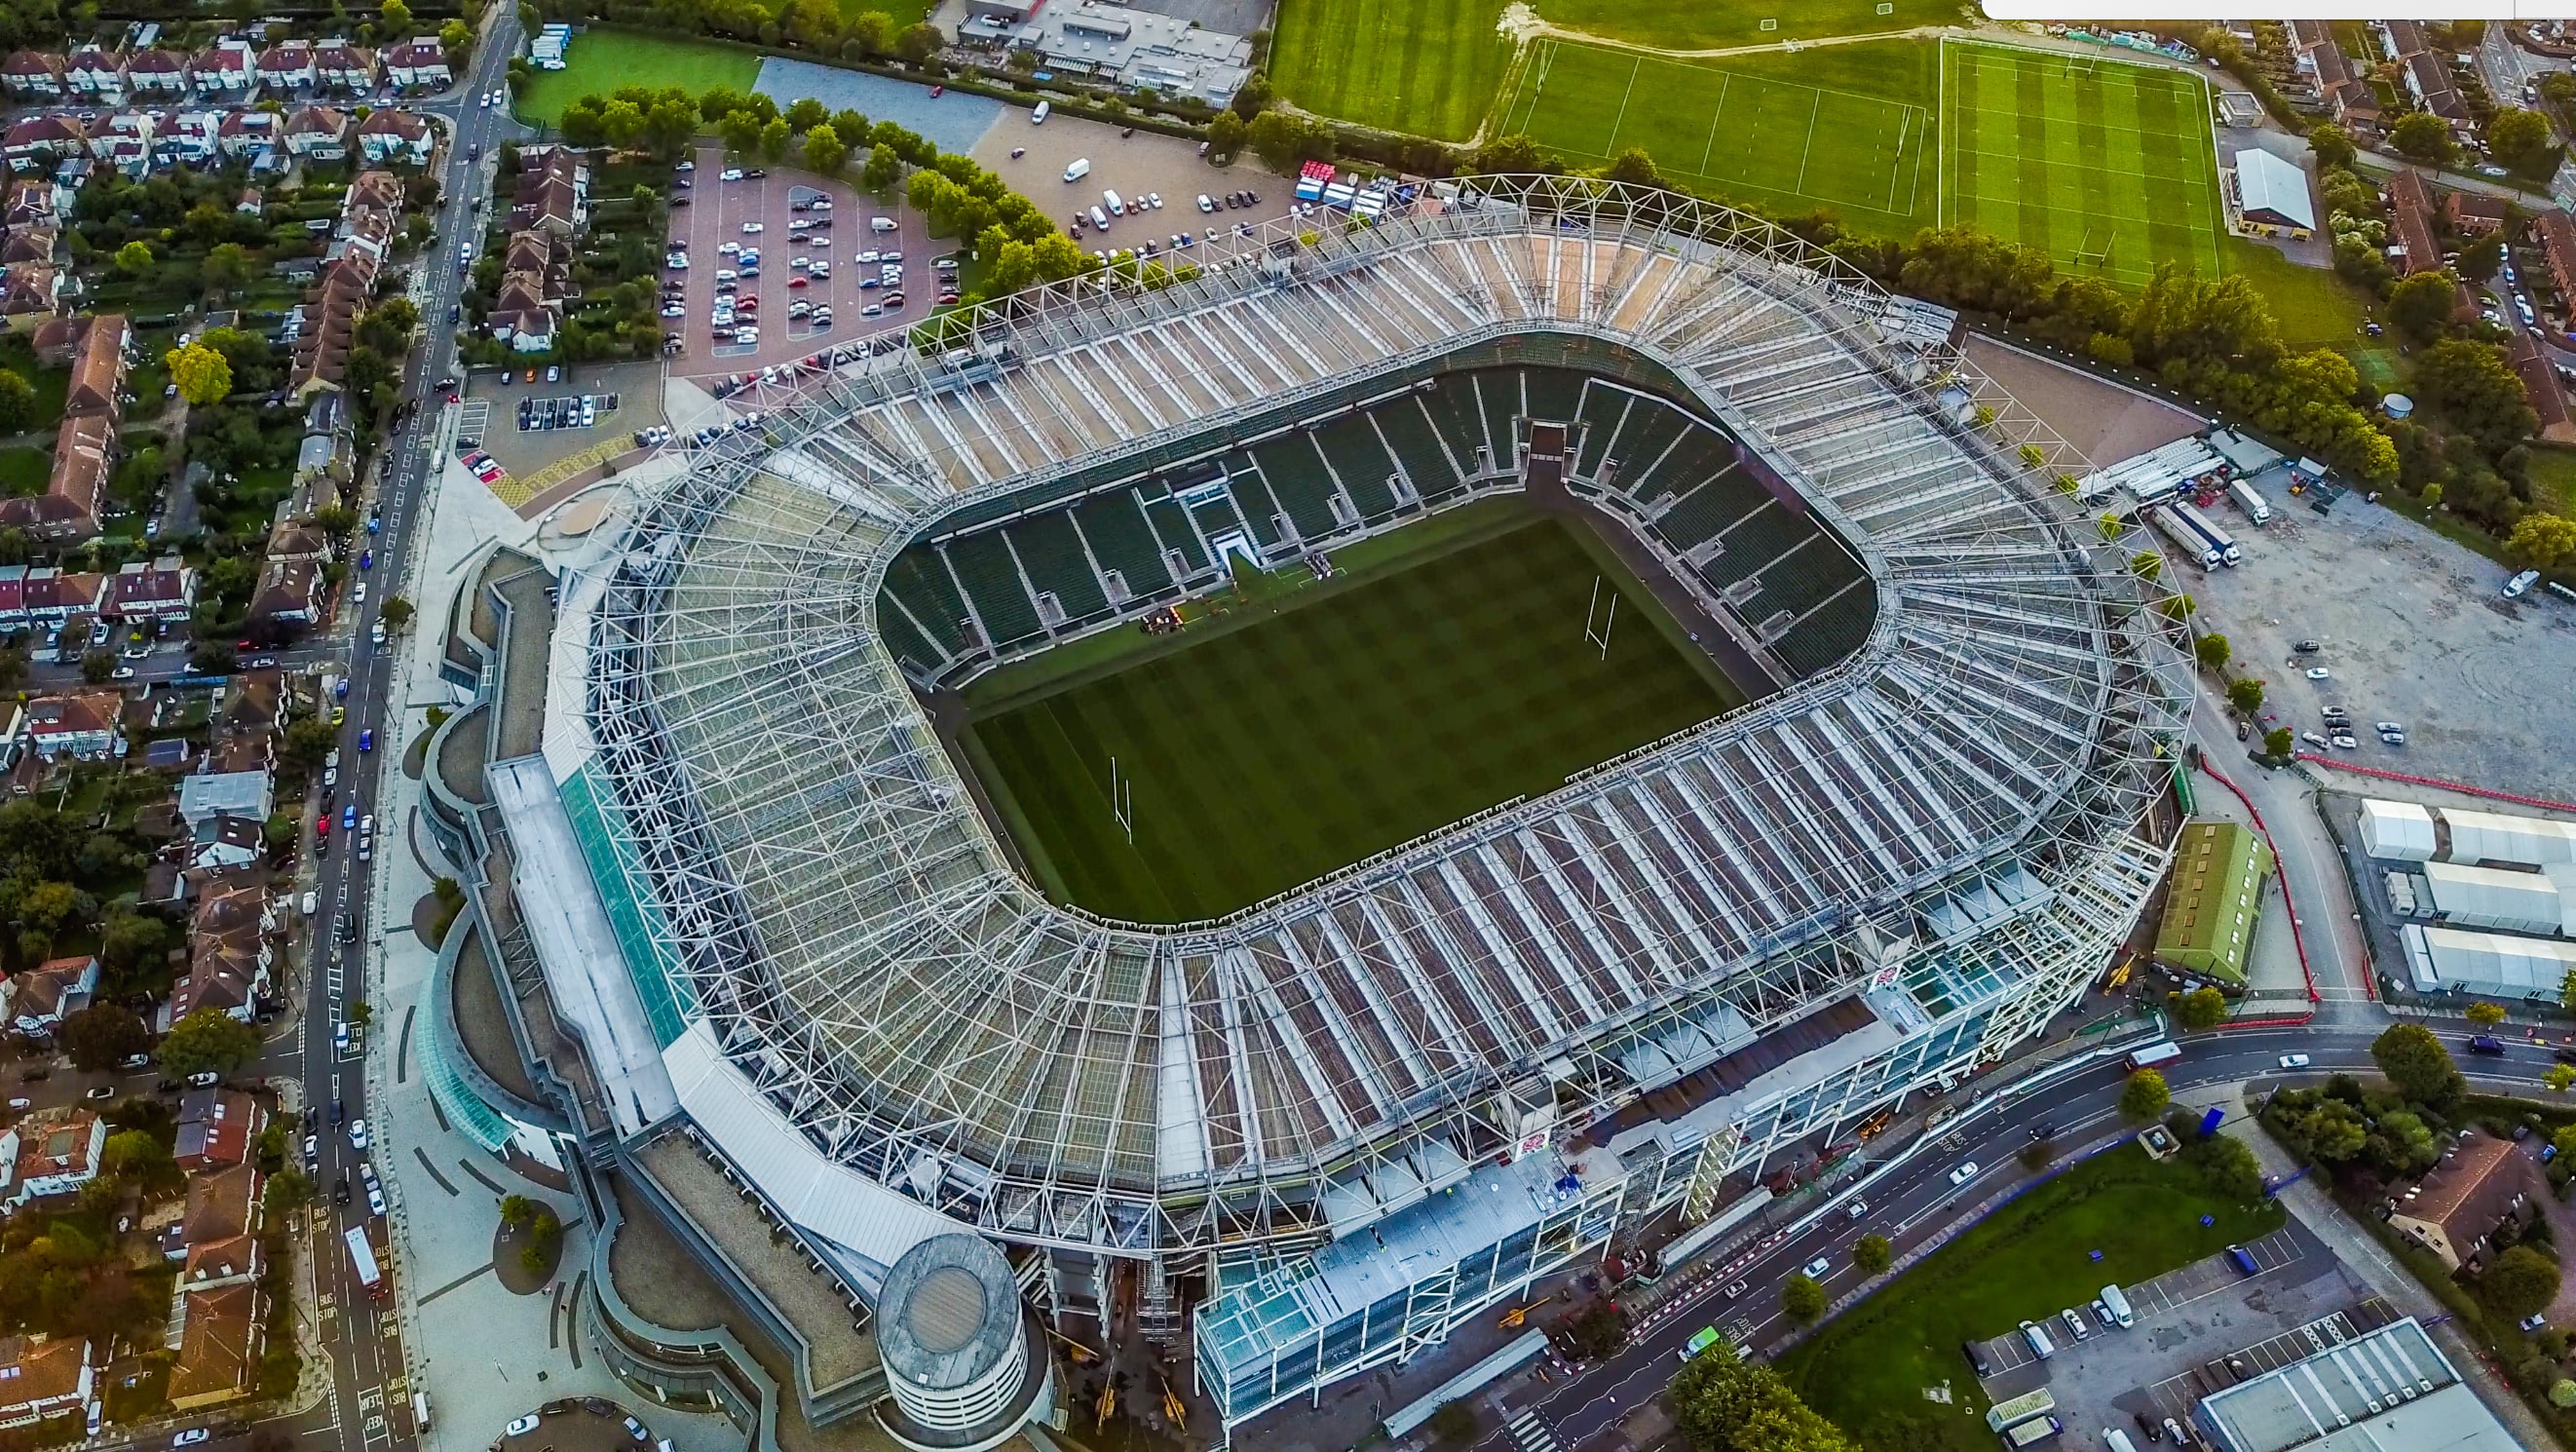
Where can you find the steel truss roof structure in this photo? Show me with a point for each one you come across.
(840, 913)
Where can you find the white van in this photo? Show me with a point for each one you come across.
(2040, 1345)
(2118, 1440)
(882, 224)
(1099, 218)
(2118, 1305)
(1117, 208)
(1081, 168)
(420, 1411)
(1038, 116)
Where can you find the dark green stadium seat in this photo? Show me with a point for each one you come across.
(1553, 394)
(1499, 391)
(1417, 446)
(1805, 578)
(1699, 456)
(1833, 632)
(1172, 529)
(992, 580)
(905, 640)
(1361, 462)
(1711, 507)
(1296, 478)
(919, 579)
(1758, 539)
(1456, 417)
(1115, 528)
(1051, 555)
(1650, 432)
(1604, 410)
(1253, 499)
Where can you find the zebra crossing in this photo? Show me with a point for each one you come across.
(1531, 1433)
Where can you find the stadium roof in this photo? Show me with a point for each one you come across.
(799, 859)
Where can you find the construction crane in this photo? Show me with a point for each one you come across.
(1082, 1355)
(1108, 1404)
(1518, 1316)
(1178, 1414)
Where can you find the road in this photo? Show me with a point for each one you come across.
(1916, 1201)
(367, 1409)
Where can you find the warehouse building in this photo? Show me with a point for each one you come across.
(2385, 1389)
(2411, 832)
(2490, 965)
(2217, 893)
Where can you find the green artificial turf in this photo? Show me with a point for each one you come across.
(1710, 24)
(1846, 127)
(1353, 719)
(602, 61)
(1427, 67)
(1870, 1367)
(2106, 166)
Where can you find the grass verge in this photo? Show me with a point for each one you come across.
(1869, 1369)
(601, 61)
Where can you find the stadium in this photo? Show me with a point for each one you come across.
(1884, 806)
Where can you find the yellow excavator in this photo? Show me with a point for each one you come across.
(1518, 1316)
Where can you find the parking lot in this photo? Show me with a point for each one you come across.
(1146, 163)
(2412, 629)
(830, 242)
(2164, 1296)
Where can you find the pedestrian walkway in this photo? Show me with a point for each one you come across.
(1531, 1433)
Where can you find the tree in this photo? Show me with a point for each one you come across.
(453, 38)
(2543, 541)
(2522, 1282)
(741, 132)
(2230, 1167)
(134, 258)
(2418, 1065)
(2332, 146)
(1225, 133)
(204, 375)
(17, 402)
(2246, 695)
(884, 168)
(773, 139)
(1634, 166)
(2475, 388)
(2480, 259)
(307, 742)
(1597, 1330)
(2145, 1096)
(208, 1039)
(2332, 1128)
(136, 1155)
(805, 113)
(2423, 136)
(1873, 1254)
(824, 151)
(97, 665)
(2202, 1008)
(1801, 1298)
(2557, 1077)
(103, 1036)
(2213, 651)
(1724, 1403)
(918, 43)
(2420, 307)
(2519, 138)
(226, 268)
(397, 17)
(2486, 1015)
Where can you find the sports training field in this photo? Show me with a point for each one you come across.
(1427, 67)
(600, 61)
(2106, 166)
(1852, 129)
(1265, 756)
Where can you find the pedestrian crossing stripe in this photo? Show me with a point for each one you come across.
(1532, 1432)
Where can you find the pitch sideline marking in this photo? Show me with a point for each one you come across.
(1724, 79)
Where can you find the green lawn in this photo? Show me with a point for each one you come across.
(1428, 67)
(2553, 478)
(1353, 719)
(2315, 308)
(24, 472)
(1846, 127)
(1872, 1365)
(601, 61)
(1715, 23)
(2106, 166)
(53, 385)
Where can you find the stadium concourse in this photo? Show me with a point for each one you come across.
(1338, 1121)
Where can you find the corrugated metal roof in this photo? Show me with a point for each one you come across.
(2497, 965)
(2495, 837)
(2506, 901)
(2396, 831)
(2274, 189)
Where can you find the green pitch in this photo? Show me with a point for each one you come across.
(1427, 67)
(1365, 714)
(2106, 166)
(1851, 128)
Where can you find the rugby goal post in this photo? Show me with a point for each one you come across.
(1599, 633)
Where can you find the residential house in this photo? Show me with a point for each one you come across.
(85, 455)
(44, 1377)
(50, 1152)
(225, 74)
(221, 844)
(33, 75)
(31, 200)
(30, 293)
(553, 192)
(98, 369)
(228, 951)
(28, 242)
(249, 752)
(217, 1128)
(288, 69)
(299, 539)
(189, 138)
(47, 597)
(219, 1341)
(158, 75)
(2473, 215)
(246, 134)
(2428, 80)
(250, 203)
(2540, 387)
(420, 62)
(2462, 1200)
(522, 315)
(2399, 39)
(236, 1260)
(254, 706)
(391, 137)
(79, 724)
(318, 133)
(43, 996)
(340, 66)
(222, 1204)
(95, 77)
(372, 191)
(290, 592)
(2557, 235)
(38, 142)
(162, 589)
(2410, 222)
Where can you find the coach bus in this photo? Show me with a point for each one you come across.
(2155, 1055)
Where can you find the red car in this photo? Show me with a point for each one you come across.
(936, 91)
(799, 280)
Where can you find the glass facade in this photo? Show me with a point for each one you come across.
(599, 825)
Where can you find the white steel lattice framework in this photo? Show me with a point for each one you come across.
(828, 898)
